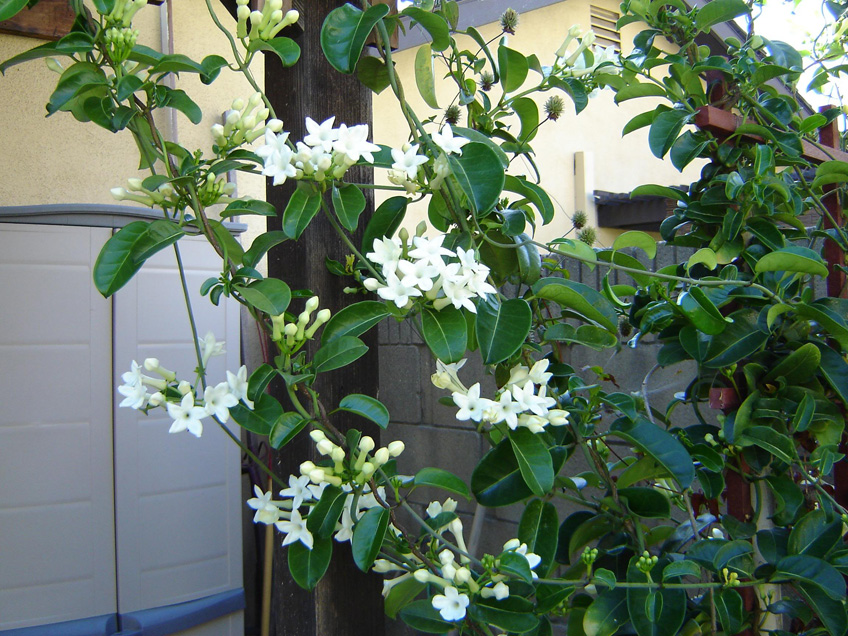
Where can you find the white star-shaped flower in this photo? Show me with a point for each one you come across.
(186, 416)
(266, 511)
(135, 395)
(297, 490)
(430, 250)
(295, 530)
(397, 292)
(418, 274)
(238, 385)
(408, 161)
(471, 405)
(447, 142)
(387, 252)
(353, 143)
(451, 604)
(323, 134)
(218, 400)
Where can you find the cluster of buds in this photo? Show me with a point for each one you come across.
(162, 197)
(731, 579)
(215, 190)
(265, 24)
(291, 336)
(358, 471)
(646, 562)
(119, 42)
(589, 556)
(243, 123)
(522, 402)
(585, 58)
(123, 12)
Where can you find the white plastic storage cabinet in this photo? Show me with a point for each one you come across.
(108, 524)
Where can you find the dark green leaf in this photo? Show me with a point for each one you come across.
(606, 614)
(337, 353)
(259, 380)
(664, 131)
(344, 32)
(367, 407)
(8, 8)
(348, 202)
(324, 515)
(260, 246)
(813, 572)
(261, 418)
(368, 537)
(513, 68)
(284, 48)
(792, 258)
(502, 327)
(480, 175)
(513, 614)
(813, 535)
(534, 460)
(423, 617)
(654, 612)
(718, 11)
(74, 42)
(769, 440)
(496, 480)
(372, 72)
(308, 566)
(270, 295)
(385, 220)
(249, 206)
(433, 23)
(659, 444)
(286, 428)
(126, 251)
(579, 300)
(301, 209)
(402, 595)
(445, 332)
(439, 478)
(739, 339)
(354, 320)
(730, 610)
(646, 502)
(538, 528)
(831, 612)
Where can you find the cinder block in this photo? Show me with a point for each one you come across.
(399, 382)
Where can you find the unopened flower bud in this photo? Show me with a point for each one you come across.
(366, 444)
(325, 447)
(312, 304)
(381, 456)
(317, 435)
(157, 399)
(422, 576)
(306, 468)
(184, 387)
(396, 448)
(274, 125)
(338, 454)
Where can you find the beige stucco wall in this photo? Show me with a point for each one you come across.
(59, 160)
(612, 163)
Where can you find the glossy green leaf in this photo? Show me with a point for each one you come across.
(577, 249)
(502, 327)
(606, 614)
(401, 595)
(686, 148)
(730, 611)
(308, 566)
(8, 8)
(344, 32)
(632, 91)
(769, 440)
(646, 502)
(651, 190)
(534, 460)
(368, 535)
(127, 250)
(701, 311)
(704, 256)
(324, 515)
(813, 535)
(579, 300)
(792, 258)
(513, 614)
(535, 195)
(424, 77)
(179, 100)
(496, 480)
(513, 68)
(354, 320)
(475, 135)
(639, 121)
(591, 336)
(284, 48)
(538, 528)
(515, 565)
(270, 295)
(366, 406)
(633, 238)
(74, 42)
(798, 367)
(654, 612)
(811, 571)
(423, 617)
(678, 569)
(249, 206)
(286, 428)
(835, 371)
(260, 246)
(338, 353)
(259, 380)
(830, 611)
(440, 478)
(718, 11)
(659, 444)
(738, 340)
(528, 115)
(261, 418)
(433, 23)
(301, 209)
(445, 332)
(479, 173)
(348, 202)
(664, 131)
(384, 222)
(372, 72)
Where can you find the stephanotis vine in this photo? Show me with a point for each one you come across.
(679, 520)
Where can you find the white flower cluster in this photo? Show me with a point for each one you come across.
(419, 270)
(286, 515)
(404, 170)
(456, 578)
(325, 152)
(359, 471)
(291, 336)
(523, 401)
(179, 397)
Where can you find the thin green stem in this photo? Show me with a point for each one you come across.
(346, 240)
(201, 370)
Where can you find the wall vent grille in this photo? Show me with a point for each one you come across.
(603, 24)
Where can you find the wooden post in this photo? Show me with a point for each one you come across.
(346, 601)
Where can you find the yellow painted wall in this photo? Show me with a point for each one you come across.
(618, 164)
(59, 160)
